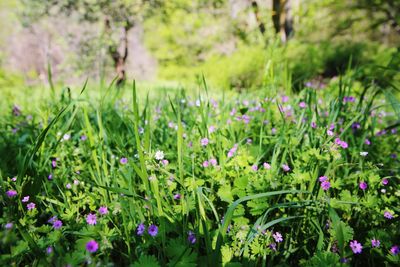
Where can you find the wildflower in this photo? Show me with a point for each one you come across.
(385, 181)
(363, 185)
(177, 196)
(191, 237)
(11, 193)
(52, 219)
(395, 250)
(325, 185)
(205, 164)
(66, 137)
(211, 129)
(153, 230)
(313, 124)
(91, 219)
(272, 246)
(57, 224)
(343, 144)
(9, 225)
(213, 162)
(232, 151)
(159, 155)
(83, 137)
(31, 206)
(123, 161)
(285, 99)
(68, 186)
(278, 237)
(14, 179)
(53, 164)
(375, 243)
(285, 167)
(364, 154)
(329, 132)
(50, 177)
(367, 142)
(266, 166)
(140, 229)
(49, 250)
(92, 246)
(323, 179)
(103, 210)
(165, 162)
(302, 104)
(254, 167)
(16, 111)
(204, 141)
(388, 215)
(356, 247)
(343, 260)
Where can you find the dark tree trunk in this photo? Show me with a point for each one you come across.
(282, 19)
(256, 12)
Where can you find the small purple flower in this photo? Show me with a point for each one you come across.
(83, 137)
(388, 215)
(343, 260)
(302, 104)
(285, 99)
(329, 132)
(153, 230)
(52, 219)
(50, 177)
(363, 185)
(323, 179)
(140, 229)
(9, 225)
(53, 164)
(395, 250)
(266, 166)
(272, 246)
(213, 162)
(375, 243)
(356, 247)
(285, 167)
(254, 167)
(191, 237)
(91, 219)
(49, 250)
(92, 246)
(16, 111)
(278, 237)
(103, 210)
(204, 141)
(313, 125)
(325, 185)
(205, 164)
(123, 161)
(31, 206)
(57, 224)
(11, 193)
(367, 142)
(68, 186)
(14, 179)
(177, 196)
(385, 181)
(343, 144)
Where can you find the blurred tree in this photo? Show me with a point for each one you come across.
(118, 17)
(282, 19)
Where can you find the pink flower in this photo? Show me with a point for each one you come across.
(323, 179)
(363, 185)
(266, 166)
(375, 243)
(302, 104)
(278, 237)
(285, 167)
(92, 246)
(205, 164)
(25, 199)
(356, 247)
(91, 219)
(11, 193)
(325, 185)
(254, 167)
(204, 141)
(385, 181)
(388, 215)
(213, 162)
(103, 210)
(31, 206)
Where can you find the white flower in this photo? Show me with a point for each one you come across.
(159, 155)
(66, 137)
(363, 153)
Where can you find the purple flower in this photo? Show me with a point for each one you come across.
(367, 142)
(50, 177)
(329, 132)
(191, 237)
(232, 151)
(204, 141)
(53, 164)
(385, 181)
(92, 246)
(57, 224)
(16, 111)
(395, 250)
(49, 250)
(9, 225)
(285, 167)
(375, 243)
(266, 166)
(285, 99)
(205, 164)
(363, 185)
(177, 196)
(153, 230)
(103, 210)
(278, 237)
(83, 137)
(325, 185)
(68, 186)
(140, 229)
(123, 161)
(91, 219)
(356, 247)
(254, 167)
(343, 144)
(213, 162)
(31, 206)
(313, 125)
(323, 179)
(11, 193)
(272, 246)
(388, 215)
(302, 104)
(25, 199)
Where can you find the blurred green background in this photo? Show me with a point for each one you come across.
(236, 44)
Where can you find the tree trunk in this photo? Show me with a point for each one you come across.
(256, 12)
(282, 18)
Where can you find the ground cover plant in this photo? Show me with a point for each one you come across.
(257, 179)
